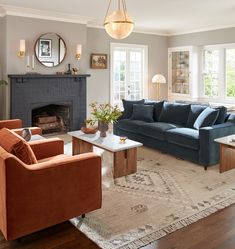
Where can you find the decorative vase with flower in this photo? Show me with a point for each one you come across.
(104, 114)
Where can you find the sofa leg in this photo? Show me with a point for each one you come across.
(83, 216)
(205, 167)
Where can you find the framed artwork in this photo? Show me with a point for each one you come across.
(45, 48)
(99, 61)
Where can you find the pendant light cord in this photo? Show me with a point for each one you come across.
(107, 11)
(124, 9)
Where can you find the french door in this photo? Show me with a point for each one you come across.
(128, 72)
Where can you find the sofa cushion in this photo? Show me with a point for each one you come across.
(129, 125)
(206, 118)
(174, 113)
(156, 130)
(16, 145)
(222, 114)
(157, 108)
(128, 107)
(185, 137)
(142, 112)
(195, 111)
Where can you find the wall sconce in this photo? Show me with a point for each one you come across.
(78, 52)
(21, 53)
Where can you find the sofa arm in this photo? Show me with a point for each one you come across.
(11, 124)
(49, 193)
(209, 150)
(47, 147)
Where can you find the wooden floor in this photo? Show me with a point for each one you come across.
(215, 232)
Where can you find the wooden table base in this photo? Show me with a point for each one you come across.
(227, 158)
(124, 162)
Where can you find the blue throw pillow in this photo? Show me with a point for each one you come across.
(195, 111)
(143, 113)
(128, 107)
(222, 114)
(206, 118)
(174, 113)
(157, 108)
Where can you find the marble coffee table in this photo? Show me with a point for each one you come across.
(124, 154)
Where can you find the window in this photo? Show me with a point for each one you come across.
(128, 72)
(219, 72)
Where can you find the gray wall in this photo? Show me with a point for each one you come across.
(219, 36)
(99, 42)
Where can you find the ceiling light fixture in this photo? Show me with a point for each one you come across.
(118, 24)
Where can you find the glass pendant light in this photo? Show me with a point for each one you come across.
(118, 24)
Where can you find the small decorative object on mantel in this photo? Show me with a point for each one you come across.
(69, 69)
(89, 127)
(104, 114)
(99, 61)
(3, 82)
(75, 70)
(26, 134)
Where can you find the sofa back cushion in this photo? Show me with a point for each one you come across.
(16, 145)
(174, 113)
(195, 111)
(128, 107)
(143, 113)
(206, 118)
(157, 108)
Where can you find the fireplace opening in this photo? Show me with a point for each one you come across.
(52, 118)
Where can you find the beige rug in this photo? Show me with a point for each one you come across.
(165, 195)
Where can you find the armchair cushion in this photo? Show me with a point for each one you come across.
(16, 145)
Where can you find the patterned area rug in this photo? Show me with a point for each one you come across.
(165, 195)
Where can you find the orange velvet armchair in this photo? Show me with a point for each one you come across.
(57, 188)
(17, 126)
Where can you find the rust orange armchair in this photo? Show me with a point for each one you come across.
(17, 126)
(57, 188)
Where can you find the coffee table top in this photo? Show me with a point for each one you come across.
(111, 142)
(226, 140)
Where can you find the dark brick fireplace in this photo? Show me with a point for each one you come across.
(61, 96)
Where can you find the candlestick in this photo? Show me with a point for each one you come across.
(28, 64)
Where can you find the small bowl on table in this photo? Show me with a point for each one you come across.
(89, 130)
(122, 139)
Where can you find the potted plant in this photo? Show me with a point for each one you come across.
(104, 114)
(3, 82)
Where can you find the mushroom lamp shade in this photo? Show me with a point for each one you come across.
(158, 78)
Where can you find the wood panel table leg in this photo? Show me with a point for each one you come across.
(80, 146)
(131, 161)
(227, 158)
(119, 164)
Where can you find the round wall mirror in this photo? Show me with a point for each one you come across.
(50, 49)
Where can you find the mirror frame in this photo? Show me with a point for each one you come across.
(35, 45)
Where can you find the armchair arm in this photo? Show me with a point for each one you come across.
(11, 123)
(47, 147)
(34, 130)
(209, 150)
(51, 192)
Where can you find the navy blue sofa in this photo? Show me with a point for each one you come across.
(172, 130)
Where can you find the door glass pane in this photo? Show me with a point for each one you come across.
(211, 73)
(230, 72)
(180, 72)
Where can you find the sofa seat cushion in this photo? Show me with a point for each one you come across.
(156, 130)
(185, 137)
(16, 145)
(130, 125)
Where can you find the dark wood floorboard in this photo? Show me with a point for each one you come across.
(214, 232)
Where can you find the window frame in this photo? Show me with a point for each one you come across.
(222, 74)
(127, 46)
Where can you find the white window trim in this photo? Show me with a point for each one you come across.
(145, 66)
(222, 98)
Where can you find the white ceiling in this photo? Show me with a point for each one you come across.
(166, 17)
